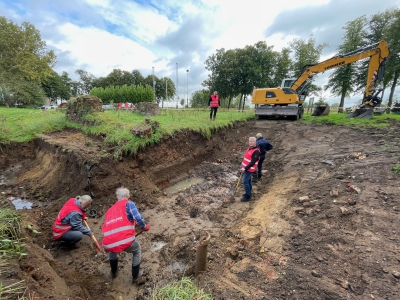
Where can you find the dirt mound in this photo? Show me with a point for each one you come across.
(323, 223)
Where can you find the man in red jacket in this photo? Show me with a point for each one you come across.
(214, 103)
(249, 167)
(68, 225)
(119, 233)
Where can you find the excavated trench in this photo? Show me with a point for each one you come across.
(272, 247)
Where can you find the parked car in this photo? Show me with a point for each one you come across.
(108, 106)
(44, 107)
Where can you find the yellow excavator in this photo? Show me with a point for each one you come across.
(287, 100)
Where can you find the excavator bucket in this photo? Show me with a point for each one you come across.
(362, 113)
(321, 110)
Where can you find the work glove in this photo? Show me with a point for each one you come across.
(146, 228)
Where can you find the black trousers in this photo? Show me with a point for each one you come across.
(213, 109)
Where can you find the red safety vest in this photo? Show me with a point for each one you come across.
(247, 159)
(118, 231)
(58, 228)
(214, 101)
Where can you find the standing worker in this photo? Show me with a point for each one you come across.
(214, 103)
(249, 167)
(264, 146)
(119, 233)
(68, 225)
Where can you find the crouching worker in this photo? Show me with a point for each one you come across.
(119, 233)
(68, 225)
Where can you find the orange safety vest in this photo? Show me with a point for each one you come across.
(58, 228)
(247, 159)
(214, 101)
(119, 232)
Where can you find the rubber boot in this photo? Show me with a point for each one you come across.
(114, 267)
(137, 277)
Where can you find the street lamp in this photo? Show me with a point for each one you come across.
(187, 88)
(154, 86)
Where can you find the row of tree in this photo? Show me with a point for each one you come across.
(237, 71)
(124, 93)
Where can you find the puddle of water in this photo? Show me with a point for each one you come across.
(177, 266)
(9, 175)
(21, 204)
(184, 184)
(157, 246)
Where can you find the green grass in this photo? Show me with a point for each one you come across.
(335, 118)
(396, 169)
(10, 231)
(11, 248)
(23, 125)
(184, 289)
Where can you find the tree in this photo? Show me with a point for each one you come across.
(305, 53)
(392, 35)
(66, 86)
(200, 98)
(56, 86)
(137, 77)
(344, 80)
(282, 67)
(116, 78)
(86, 83)
(25, 63)
(165, 90)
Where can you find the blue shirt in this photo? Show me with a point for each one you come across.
(133, 214)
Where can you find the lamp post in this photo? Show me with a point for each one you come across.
(187, 88)
(154, 85)
(177, 86)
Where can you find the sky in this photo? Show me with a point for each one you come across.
(173, 36)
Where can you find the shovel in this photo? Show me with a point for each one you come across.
(93, 238)
(237, 184)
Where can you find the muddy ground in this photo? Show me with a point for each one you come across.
(323, 222)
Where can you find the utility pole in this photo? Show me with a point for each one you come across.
(154, 84)
(177, 85)
(187, 88)
(166, 91)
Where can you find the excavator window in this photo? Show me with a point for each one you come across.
(288, 91)
(270, 95)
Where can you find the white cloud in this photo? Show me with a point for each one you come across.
(101, 51)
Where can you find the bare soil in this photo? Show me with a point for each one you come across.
(323, 222)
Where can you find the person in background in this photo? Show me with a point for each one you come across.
(68, 225)
(213, 104)
(249, 167)
(119, 233)
(264, 146)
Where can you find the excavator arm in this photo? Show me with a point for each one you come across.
(377, 53)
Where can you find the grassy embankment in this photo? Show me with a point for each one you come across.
(23, 125)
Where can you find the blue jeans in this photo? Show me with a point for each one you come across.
(247, 184)
(134, 248)
(71, 236)
(260, 162)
